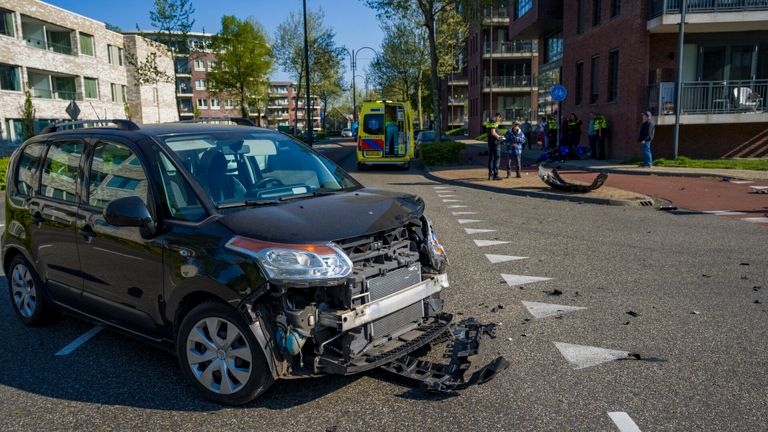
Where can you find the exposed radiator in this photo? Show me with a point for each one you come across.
(391, 283)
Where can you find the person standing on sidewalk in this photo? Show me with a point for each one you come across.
(592, 134)
(552, 130)
(515, 139)
(494, 148)
(542, 127)
(645, 137)
(527, 129)
(574, 135)
(601, 130)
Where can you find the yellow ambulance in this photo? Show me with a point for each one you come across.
(385, 134)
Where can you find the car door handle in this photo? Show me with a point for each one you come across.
(87, 232)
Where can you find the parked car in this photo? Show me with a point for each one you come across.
(242, 250)
(428, 136)
(346, 132)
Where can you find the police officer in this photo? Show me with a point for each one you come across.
(601, 129)
(552, 130)
(494, 147)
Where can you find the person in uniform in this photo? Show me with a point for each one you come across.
(494, 148)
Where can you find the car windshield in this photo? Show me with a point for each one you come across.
(238, 168)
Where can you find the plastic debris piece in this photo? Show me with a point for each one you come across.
(552, 179)
(633, 313)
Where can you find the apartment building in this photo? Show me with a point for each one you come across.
(619, 58)
(59, 57)
(497, 76)
(283, 107)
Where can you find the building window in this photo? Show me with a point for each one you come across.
(523, 6)
(118, 93)
(229, 103)
(613, 76)
(211, 64)
(579, 91)
(615, 8)
(594, 92)
(200, 85)
(199, 65)
(155, 96)
(6, 23)
(10, 77)
(597, 12)
(86, 44)
(91, 88)
(215, 104)
(124, 93)
(115, 55)
(202, 103)
(579, 16)
(554, 46)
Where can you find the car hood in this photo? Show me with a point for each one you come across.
(326, 218)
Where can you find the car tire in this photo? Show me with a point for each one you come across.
(219, 355)
(27, 293)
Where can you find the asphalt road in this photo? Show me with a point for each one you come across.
(701, 338)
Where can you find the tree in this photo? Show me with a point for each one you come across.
(324, 55)
(436, 18)
(27, 116)
(244, 62)
(147, 71)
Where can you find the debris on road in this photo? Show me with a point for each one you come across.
(695, 312)
(555, 292)
(667, 208)
(756, 288)
(744, 264)
(552, 179)
(633, 313)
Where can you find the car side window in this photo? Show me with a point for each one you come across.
(59, 179)
(183, 203)
(26, 170)
(116, 172)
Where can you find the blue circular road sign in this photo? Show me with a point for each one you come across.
(559, 93)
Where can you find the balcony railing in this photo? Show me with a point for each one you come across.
(502, 82)
(495, 14)
(510, 115)
(457, 99)
(511, 47)
(48, 45)
(667, 7)
(710, 97)
(52, 94)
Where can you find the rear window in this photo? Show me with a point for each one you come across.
(59, 179)
(373, 124)
(27, 168)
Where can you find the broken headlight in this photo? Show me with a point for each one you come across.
(295, 262)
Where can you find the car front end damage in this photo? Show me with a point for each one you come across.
(387, 306)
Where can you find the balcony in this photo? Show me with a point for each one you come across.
(45, 36)
(48, 86)
(186, 108)
(513, 114)
(518, 83)
(457, 80)
(495, 16)
(708, 15)
(183, 87)
(182, 67)
(457, 121)
(457, 100)
(510, 49)
(711, 102)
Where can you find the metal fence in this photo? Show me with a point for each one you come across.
(709, 97)
(666, 7)
(511, 47)
(500, 82)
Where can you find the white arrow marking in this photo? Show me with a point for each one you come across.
(450, 200)
(483, 243)
(463, 213)
(467, 221)
(513, 280)
(580, 356)
(477, 230)
(75, 344)
(457, 206)
(544, 310)
(624, 422)
(495, 259)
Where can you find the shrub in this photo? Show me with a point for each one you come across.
(3, 171)
(442, 153)
(455, 132)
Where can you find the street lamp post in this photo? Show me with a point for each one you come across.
(353, 62)
(679, 84)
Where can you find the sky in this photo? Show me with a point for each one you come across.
(354, 23)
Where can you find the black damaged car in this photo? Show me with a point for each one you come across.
(247, 253)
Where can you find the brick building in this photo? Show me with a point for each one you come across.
(494, 74)
(60, 56)
(619, 58)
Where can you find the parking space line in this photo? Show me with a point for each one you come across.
(463, 213)
(457, 206)
(451, 200)
(75, 344)
(623, 421)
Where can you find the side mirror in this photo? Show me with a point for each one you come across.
(129, 212)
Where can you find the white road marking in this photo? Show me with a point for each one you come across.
(724, 212)
(495, 259)
(457, 206)
(581, 356)
(447, 196)
(478, 230)
(75, 344)
(544, 310)
(441, 187)
(759, 189)
(451, 200)
(741, 181)
(468, 221)
(483, 243)
(513, 280)
(463, 213)
(623, 421)
(756, 219)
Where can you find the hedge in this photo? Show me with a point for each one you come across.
(442, 153)
(3, 171)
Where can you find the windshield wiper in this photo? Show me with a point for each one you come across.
(308, 195)
(247, 204)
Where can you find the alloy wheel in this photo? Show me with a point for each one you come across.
(219, 355)
(24, 292)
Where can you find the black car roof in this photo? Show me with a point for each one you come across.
(156, 130)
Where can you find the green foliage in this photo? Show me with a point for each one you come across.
(757, 164)
(403, 58)
(172, 19)
(244, 61)
(456, 132)
(484, 137)
(112, 27)
(196, 112)
(3, 171)
(28, 116)
(442, 153)
(127, 110)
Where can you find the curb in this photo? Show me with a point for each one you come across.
(650, 172)
(648, 202)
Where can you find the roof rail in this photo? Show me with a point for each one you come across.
(121, 124)
(240, 121)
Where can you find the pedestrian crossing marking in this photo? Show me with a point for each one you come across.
(460, 213)
(582, 356)
(478, 230)
(484, 243)
(513, 280)
(451, 200)
(457, 206)
(544, 310)
(495, 259)
(468, 221)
